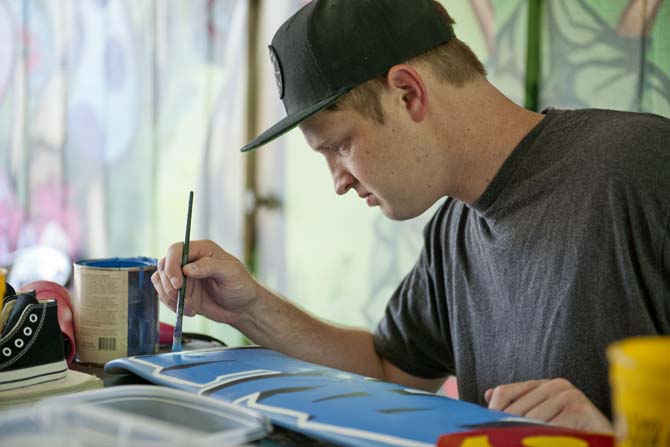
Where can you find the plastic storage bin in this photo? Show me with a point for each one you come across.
(134, 415)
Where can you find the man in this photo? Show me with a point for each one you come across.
(552, 243)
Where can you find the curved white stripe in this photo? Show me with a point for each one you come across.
(235, 377)
(303, 421)
(421, 392)
(157, 372)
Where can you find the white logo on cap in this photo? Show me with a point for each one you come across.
(278, 76)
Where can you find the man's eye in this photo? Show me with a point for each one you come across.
(339, 147)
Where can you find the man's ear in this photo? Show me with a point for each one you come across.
(409, 83)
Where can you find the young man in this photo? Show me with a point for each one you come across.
(552, 243)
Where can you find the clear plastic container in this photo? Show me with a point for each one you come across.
(134, 415)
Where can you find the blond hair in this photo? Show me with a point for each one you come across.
(452, 62)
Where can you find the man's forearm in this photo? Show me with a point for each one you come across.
(278, 324)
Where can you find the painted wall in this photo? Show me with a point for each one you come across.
(110, 112)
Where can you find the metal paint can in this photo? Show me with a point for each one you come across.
(116, 309)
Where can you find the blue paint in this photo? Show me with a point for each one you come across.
(321, 402)
(118, 263)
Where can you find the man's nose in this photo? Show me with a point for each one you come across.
(342, 179)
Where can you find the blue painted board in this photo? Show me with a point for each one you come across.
(325, 403)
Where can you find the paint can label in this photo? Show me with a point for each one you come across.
(116, 309)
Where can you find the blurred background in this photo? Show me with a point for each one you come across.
(112, 110)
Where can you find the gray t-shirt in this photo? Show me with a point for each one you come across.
(566, 251)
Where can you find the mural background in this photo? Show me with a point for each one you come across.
(111, 111)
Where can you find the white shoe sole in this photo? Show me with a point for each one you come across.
(33, 375)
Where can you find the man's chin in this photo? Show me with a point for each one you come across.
(398, 215)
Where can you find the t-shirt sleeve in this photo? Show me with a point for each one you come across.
(413, 333)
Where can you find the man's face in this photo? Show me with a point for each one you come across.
(384, 163)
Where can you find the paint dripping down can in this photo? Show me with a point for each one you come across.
(116, 309)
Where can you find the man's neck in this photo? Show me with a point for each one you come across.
(483, 129)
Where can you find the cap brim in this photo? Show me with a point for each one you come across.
(291, 121)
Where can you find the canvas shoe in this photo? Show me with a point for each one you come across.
(31, 344)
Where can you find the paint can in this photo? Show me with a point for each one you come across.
(116, 309)
(640, 381)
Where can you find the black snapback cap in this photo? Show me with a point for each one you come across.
(330, 46)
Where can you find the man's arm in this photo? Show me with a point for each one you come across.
(280, 325)
(221, 289)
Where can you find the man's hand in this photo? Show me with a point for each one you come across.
(554, 401)
(219, 287)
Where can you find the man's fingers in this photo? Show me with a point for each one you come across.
(208, 267)
(503, 395)
(166, 286)
(170, 302)
(536, 398)
(556, 401)
(487, 395)
(164, 297)
(543, 410)
(203, 268)
(172, 269)
(578, 412)
(197, 250)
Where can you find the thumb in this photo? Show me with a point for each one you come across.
(204, 268)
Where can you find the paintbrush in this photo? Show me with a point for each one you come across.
(181, 296)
